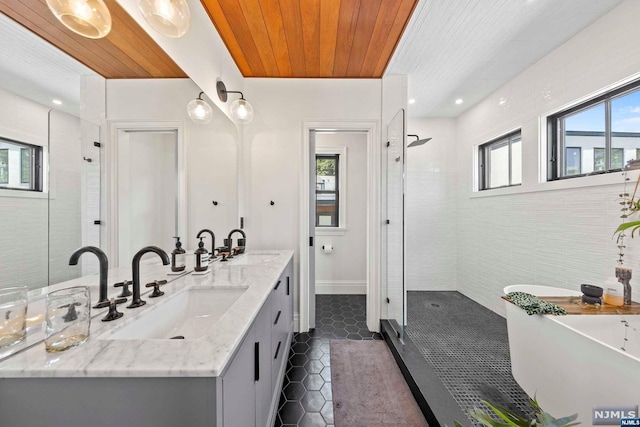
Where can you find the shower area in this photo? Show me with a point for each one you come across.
(454, 351)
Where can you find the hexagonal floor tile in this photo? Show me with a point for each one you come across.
(291, 413)
(312, 401)
(313, 382)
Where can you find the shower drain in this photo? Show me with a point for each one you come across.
(433, 304)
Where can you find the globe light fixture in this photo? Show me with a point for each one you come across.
(89, 18)
(168, 17)
(241, 110)
(199, 111)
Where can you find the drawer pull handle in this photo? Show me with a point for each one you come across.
(256, 361)
(277, 317)
(277, 350)
(287, 285)
(277, 285)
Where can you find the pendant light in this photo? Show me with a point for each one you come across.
(89, 18)
(199, 111)
(240, 109)
(168, 17)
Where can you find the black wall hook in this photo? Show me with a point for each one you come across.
(215, 203)
(272, 203)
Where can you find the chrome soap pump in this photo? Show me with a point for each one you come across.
(178, 261)
(202, 257)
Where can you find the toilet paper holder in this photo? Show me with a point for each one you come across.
(327, 249)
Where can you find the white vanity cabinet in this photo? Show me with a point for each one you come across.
(252, 382)
(229, 377)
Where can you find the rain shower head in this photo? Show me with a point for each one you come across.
(418, 141)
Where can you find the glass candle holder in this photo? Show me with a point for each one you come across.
(68, 318)
(13, 316)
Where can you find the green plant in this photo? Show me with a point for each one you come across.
(629, 205)
(511, 419)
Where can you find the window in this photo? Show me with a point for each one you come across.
(327, 190)
(25, 166)
(20, 166)
(597, 136)
(501, 162)
(4, 166)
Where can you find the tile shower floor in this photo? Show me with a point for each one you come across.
(467, 346)
(306, 398)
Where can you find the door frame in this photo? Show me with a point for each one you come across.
(115, 128)
(374, 173)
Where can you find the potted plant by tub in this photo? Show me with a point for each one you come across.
(629, 206)
(509, 418)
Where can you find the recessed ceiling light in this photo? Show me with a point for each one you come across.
(459, 101)
(57, 102)
(412, 101)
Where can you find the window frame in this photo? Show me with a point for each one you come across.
(7, 166)
(335, 156)
(556, 145)
(484, 162)
(36, 175)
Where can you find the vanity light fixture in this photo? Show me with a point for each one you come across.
(89, 18)
(199, 110)
(168, 17)
(418, 141)
(412, 101)
(459, 101)
(57, 102)
(240, 109)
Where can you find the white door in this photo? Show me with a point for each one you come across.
(312, 229)
(147, 191)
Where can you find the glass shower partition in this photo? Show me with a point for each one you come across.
(395, 234)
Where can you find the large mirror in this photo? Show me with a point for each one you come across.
(54, 171)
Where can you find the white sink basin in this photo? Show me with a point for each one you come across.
(190, 314)
(253, 259)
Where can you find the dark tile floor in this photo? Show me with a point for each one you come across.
(467, 346)
(306, 398)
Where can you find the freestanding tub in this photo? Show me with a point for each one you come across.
(574, 363)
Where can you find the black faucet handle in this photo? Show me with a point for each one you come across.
(156, 288)
(125, 288)
(113, 313)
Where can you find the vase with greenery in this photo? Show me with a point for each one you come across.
(507, 418)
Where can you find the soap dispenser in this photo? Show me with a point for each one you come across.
(202, 257)
(613, 292)
(178, 261)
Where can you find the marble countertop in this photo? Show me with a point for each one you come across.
(202, 357)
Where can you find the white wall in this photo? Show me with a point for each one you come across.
(211, 158)
(552, 234)
(431, 202)
(23, 241)
(272, 161)
(65, 196)
(344, 270)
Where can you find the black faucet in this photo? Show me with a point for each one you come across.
(213, 241)
(104, 271)
(244, 240)
(136, 301)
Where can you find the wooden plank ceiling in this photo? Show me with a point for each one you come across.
(311, 38)
(127, 52)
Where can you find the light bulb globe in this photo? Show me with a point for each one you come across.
(241, 111)
(169, 17)
(89, 18)
(199, 111)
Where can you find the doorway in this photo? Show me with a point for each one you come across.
(340, 229)
(146, 188)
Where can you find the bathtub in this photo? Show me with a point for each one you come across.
(574, 363)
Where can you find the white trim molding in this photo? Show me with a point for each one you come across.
(374, 171)
(341, 287)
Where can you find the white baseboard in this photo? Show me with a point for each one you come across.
(296, 322)
(341, 287)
